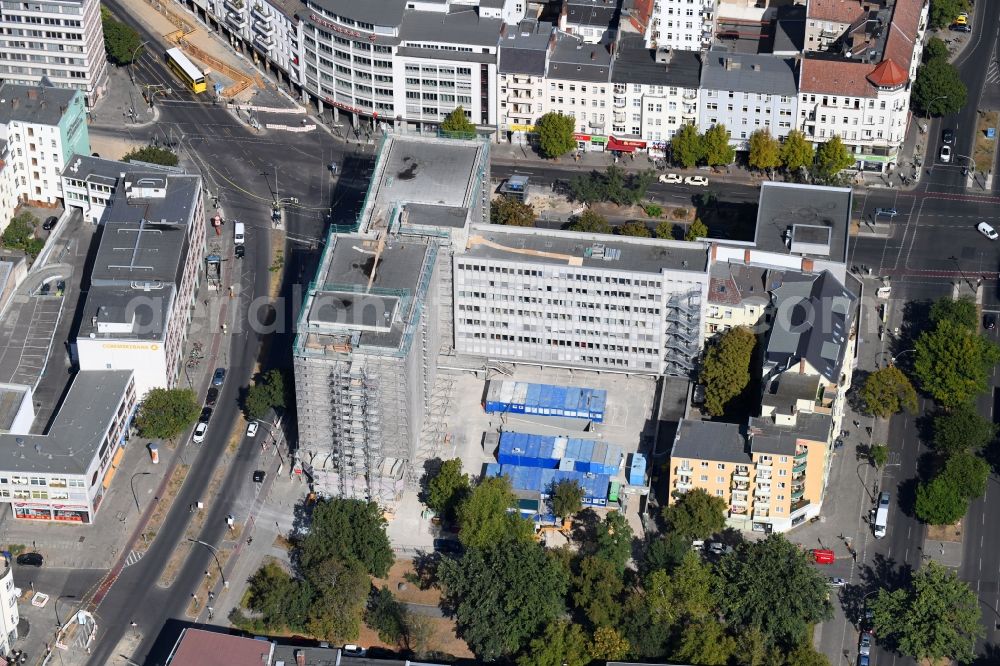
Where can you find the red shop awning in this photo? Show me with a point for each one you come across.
(624, 145)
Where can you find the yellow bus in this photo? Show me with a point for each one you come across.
(185, 70)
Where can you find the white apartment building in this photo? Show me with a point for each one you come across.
(404, 62)
(865, 101)
(653, 93)
(9, 614)
(681, 24)
(578, 84)
(8, 187)
(43, 126)
(747, 93)
(144, 279)
(524, 55)
(577, 300)
(60, 40)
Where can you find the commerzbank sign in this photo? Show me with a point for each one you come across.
(137, 346)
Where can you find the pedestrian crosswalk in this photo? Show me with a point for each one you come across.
(993, 72)
(134, 557)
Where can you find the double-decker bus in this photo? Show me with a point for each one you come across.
(185, 70)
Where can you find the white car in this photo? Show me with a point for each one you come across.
(352, 650)
(252, 429)
(199, 433)
(700, 181)
(837, 581)
(865, 644)
(671, 178)
(987, 231)
(946, 154)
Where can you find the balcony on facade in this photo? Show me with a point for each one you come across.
(263, 28)
(263, 41)
(618, 101)
(741, 473)
(520, 83)
(763, 490)
(761, 513)
(259, 14)
(236, 20)
(235, 5)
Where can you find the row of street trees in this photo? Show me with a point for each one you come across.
(938, 90)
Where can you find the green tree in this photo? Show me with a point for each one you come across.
(268, 392)
(121, 42)
(832, 157)
(502, 595)
(665, 553)
(608, 645)
(961, 311)
(566, 498)
(940, 501)
(705, 643)
(20, 234)
(151, 154)
(341, 591)
(938, 90)
(561, 644)
(936, 616)
(457, 123)
(687, 147)
(969, 473)
(591, 221)
(596, 591)
(944, 12)
(447, 488)
(588, 188)
(386, 616)
(962, 429)
(664, 230)
(804, 654)
(510, 211)
(634, 228)
(166, 413)
(887, 391)
(614, 540)
(485, 517)
(935, 48)
(725, 372)
(555, 134)
(953, 363)
(718, 152)
(695, 515)
(771, 586)
(796, 152)
(689, 593)
(349, 530)
(696, 230)
(765, 151)
(279, 600)
(879, 455)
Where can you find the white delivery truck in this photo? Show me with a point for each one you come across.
(239, 233)
(881, 515)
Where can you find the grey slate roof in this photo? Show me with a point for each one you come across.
(524, 48)
(572, 59)
(790, 29)
(594, 13)
(461, 25)
(77, 431)
(813, 319)
(376, 12)
(634, 63)
(764, 74)
(710, 440)
(38, 104)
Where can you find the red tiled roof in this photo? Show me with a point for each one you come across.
(723, 290)
(837, 77)
(888, 75)
(841, 11)
(198, 647)
(902, 35)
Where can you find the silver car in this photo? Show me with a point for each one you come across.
(865, 644)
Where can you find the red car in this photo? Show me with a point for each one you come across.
(823, 556)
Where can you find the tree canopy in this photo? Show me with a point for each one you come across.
(695, 515)
(347, 530)
(961, 311)
(888, 391)
(151, 154)
(936, 616)
(485, 517)
(715, 144)
(268, 392)
(832, 157)
(458, 123)
(341, 590)
(944, 499)
(772, 587)
(725, 372)
(696, 230)
(555, 134)
(687, 147)
(510, 211)
(502, 595)
(635, 228)
(447, 488)
(596, 591)
(796, 152)
(938, 90)
(609, 645)
(561, 644)
(614, 540)
(615, 185)
(121, 42)
(943, 12)
(962, 429)
(566, 498)
(166, 413)
(690, 593)
(592, 222)
(935, 48)
(20, 234)
(953, 362)
(765, 150)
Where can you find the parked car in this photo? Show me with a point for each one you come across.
(219, 377)
(30, 559)
(50, 223)
(252, 429)
(212, 396)
(960, 27)
(948, 136)
(671, 178)
(989, 321)
(240, 251)
(199, 433)
(945, 154)
(865, 644)
(206, 415)
(986, 230)
(700, 181)
(863, 660)
(352, 650)
(837, 581)
(258, 476)
(889, 212)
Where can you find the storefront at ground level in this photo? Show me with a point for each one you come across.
(590, 142)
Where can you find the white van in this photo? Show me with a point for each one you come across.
(239, 233)
(987, 231)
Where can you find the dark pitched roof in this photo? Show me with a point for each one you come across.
(634, 63)
(572, 59)
(710, 440)
(524, 48)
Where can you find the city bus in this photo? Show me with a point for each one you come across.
(186, 70)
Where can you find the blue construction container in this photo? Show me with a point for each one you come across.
(546, 400)
(492, 469)
(548, 452)
(637, 470)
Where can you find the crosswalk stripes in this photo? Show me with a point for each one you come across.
(133, 557)
(993, 73)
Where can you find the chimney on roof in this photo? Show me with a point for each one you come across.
(14, 102)
(32, 93)
(755, 67)
(300, 658)
(593, 55)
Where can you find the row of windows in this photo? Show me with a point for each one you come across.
(580, 277)
(53, 482)
(558, 342)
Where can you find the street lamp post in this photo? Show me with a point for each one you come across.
(56, 606)
(131, 483)
(893, 359)
(215, 554)
(131, 62)
(927, 109)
